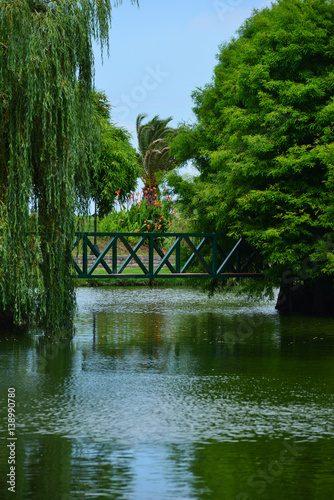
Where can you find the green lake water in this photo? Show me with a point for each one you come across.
(166, 394)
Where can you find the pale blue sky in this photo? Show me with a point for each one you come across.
(162, 51)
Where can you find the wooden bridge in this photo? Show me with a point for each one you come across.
(165, 255)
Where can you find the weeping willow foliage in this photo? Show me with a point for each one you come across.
(46, 136)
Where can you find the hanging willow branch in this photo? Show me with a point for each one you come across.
(46, 72)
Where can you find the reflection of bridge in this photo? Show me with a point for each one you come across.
(213, 256)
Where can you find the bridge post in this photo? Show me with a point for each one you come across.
(178, 256)
(214, 255)
(150, 255)
(114, 257)
(84, 254)
(238, 258)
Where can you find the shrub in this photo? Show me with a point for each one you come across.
(138, 216)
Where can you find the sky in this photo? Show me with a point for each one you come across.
(161, 52)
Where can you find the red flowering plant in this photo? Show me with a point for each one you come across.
(136, 215)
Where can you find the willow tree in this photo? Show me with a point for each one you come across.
(46, 72)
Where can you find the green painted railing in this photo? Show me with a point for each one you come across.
(213, 253)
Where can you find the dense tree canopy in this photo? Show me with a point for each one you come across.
(264, 145)
(117, 163)
(46, 147)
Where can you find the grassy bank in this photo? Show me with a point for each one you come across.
(129, 282)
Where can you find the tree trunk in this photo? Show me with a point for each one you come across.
(315, 298)
(151, 195)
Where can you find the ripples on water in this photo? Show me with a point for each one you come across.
(160, 376)
(176, 300)
(130, 385)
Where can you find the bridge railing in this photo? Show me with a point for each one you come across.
(168, 255)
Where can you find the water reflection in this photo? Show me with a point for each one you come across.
(166, 394)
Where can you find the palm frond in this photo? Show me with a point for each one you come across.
(152, 144)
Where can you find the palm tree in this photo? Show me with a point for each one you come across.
(155, 152)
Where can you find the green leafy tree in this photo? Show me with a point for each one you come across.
(117, 165)
(264, 148)
(47, 144)
(156, 159)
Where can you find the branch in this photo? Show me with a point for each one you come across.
(39, 6)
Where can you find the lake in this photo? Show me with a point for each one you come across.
(164, 393)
